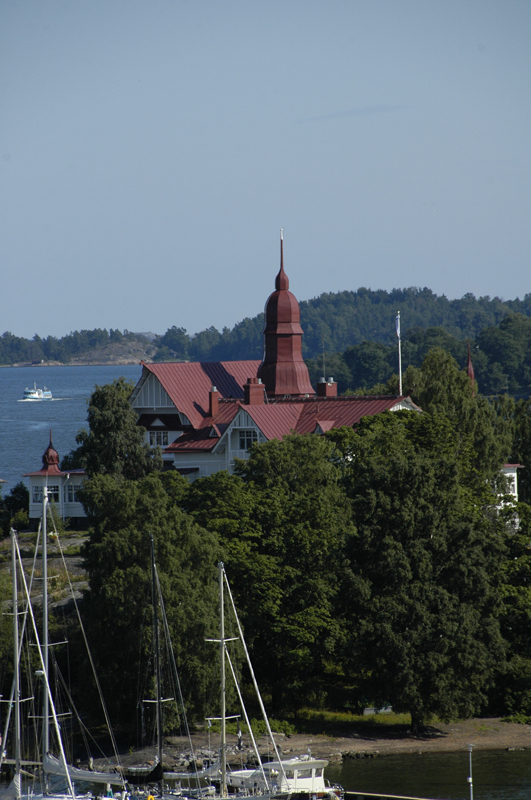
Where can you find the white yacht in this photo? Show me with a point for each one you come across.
(37, 394)
(295, 775)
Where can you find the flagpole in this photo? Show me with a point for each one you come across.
(399, 354)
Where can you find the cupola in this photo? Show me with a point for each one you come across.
(283, 371)
(50, 457)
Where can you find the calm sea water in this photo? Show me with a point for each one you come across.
(25, 425)
(497, 775)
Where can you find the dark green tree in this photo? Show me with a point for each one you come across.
(175, 342)
(370, 363)
(114, 443)
(15, 502)
(122, 514)
(281, 522)
(521, 448)
(512, 692)
(440, 388)
(422, 594)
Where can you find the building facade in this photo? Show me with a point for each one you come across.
(205, 415)
(62, 488)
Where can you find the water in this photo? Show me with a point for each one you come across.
(25, 425)
(497, 775)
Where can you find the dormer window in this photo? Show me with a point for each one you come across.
(247, 438)
(158, 438)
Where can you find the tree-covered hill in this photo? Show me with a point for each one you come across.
(354, 330)
(339, 320)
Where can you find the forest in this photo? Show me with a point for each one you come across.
(381, 565)
(349, 335)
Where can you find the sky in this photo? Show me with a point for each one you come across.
(151, 150)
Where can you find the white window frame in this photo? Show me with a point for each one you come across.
(248, 437)
(159, 438)
(36, 493)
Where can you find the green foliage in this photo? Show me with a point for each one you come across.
(281, 522)
(521, 448)
(513, 689)
(258, 726)
(114, 444)
(354, 322)
(420, 597)
(439, 388)
(20, 520)
(13, 507)
(14, 349)
(121, 515)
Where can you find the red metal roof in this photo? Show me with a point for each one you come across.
(188, 383)
(342, 410)
(279, 419)
(202, 438)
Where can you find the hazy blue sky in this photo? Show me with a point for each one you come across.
(151, 150)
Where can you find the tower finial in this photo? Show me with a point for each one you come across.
(281, 281)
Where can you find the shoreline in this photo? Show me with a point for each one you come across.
(368, 741)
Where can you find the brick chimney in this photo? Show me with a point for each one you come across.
(253, 392)
(213, 400)
(327, 388)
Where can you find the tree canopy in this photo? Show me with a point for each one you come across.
(114, 443)
(420, 597)
(122, 515)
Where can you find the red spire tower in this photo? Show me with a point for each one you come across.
(283, 371)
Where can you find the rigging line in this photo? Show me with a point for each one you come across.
(102, 700)
(255, 684)
(249, 726)
(45, 678)
(174, 665)
(24, 615)
(62, 681)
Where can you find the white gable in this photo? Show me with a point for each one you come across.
(405, 404)
(151, 394)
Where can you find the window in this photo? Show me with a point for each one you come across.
(53, 494)
(71, 493)
(36, 495)
(159, 438)
(247, 438)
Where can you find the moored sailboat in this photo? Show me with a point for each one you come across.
(302, 776)
(50, 764)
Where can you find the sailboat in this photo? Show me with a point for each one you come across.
(276, 779)
(51, 764)
(157, 774)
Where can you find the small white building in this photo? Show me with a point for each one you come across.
(62, 487)
(510, 474)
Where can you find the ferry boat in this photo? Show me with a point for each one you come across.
(37, 394)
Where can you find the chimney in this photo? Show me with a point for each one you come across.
(327, 388)
(253, 392)
(213, 400)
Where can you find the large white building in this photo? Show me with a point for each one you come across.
(204, 415)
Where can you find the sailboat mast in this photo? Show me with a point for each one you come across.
(223, 748)
(46, 707)
(15, 646)
(156, 645)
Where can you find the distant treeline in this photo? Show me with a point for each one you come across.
(354, 332)
(339, 320)
(16, 350)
